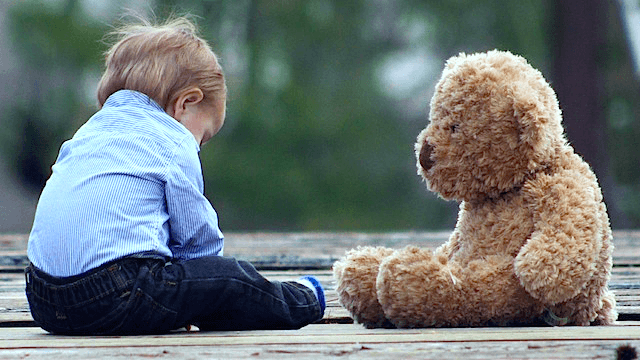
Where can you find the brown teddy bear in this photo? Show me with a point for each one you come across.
(532, 243)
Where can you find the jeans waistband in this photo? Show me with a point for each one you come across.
(118, 275)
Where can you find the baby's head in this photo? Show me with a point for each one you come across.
(172, 65)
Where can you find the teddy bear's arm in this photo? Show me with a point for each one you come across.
(560, 256)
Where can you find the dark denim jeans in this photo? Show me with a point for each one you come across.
(149, 296)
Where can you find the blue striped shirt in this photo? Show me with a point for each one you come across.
(129, 181)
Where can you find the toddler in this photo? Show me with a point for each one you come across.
(123, 240)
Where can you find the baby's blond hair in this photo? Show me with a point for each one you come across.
(161, 61)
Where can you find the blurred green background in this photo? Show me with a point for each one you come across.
(326, 97)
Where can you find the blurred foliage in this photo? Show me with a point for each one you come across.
(319, 135)
(310, 143)
(55, 45)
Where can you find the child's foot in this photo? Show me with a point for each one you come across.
(312, 283)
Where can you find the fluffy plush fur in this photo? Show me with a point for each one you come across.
(532, 244)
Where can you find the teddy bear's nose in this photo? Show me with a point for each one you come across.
(425, 156)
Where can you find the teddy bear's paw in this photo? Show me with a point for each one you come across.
(411, 283)
(546, 276)
(355, 276)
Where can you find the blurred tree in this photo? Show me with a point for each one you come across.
(599, 98)
(580, 48)
(310, 142)
(58, 46)
(621, 109)
(565, 40)
(326, 98)
(577, 44)
(522, 27)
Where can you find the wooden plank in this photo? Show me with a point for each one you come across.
(330, 342)
(13, 241)
(424, 351)
(316, 250)
(16, 318)
(23, 338)
(333, 243)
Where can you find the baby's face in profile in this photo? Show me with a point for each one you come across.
(212, 118)
(202, 118)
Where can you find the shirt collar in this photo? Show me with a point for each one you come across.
(126, 96)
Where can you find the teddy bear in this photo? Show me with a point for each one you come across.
(532, 244)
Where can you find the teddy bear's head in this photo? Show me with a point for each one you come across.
(494, 121)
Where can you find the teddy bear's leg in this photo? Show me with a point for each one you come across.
(356, 284)
(419, 289)
(607, 315)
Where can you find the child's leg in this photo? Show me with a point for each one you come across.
(221, 293)
(140, 296)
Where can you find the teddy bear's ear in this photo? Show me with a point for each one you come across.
(528, 120)
(534, 123)
(454, 60)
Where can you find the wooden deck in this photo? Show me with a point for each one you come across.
(287, 256)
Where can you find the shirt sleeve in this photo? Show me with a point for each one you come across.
(194, 230)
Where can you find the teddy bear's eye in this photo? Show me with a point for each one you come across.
(454, 128)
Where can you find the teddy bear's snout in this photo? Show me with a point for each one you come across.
(425, 156)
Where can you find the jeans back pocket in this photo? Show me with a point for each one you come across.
(144, 315)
